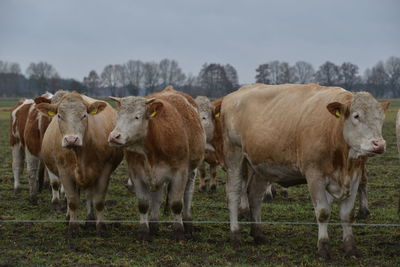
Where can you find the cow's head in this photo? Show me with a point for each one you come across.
(72, 114)
(362, 126)
(205, 112)
(133, 115)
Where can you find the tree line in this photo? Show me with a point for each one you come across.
(136, 77)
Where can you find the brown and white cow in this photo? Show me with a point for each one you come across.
(26, 129)
(209, 117)
(295, 134)
(164, 143)
(76, 150)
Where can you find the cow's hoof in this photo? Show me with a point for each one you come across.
(244, 215)
(33, 201)
(324, 250)
(236, 240)
(285, 194)
(202, 188)
(188, 226)
(56, 205)
(258, 235)
(179, 232)
(73, 230)
(101, 229)
(144, 233)
(349, 248)
(363, 214)
(154, 228)
(213, 188)
(17, 191)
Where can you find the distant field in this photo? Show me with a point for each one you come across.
(287, 245)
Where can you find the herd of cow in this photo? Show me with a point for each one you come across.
(260, 134)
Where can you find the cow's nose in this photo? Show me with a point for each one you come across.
(71, 140)
(378, 145)
(115, 136)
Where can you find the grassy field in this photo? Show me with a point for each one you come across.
(24, 243)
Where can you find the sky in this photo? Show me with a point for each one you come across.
(76, 36)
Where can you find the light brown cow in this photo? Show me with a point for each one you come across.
(164, 143)
(209, 115)
(26, 129)
(76, 150)
(295, 134)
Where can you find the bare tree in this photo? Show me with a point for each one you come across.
(151, 77)
(377, 79)
(328, 74)
(41, 73)
(135, 72)
(349, 75)
(263, 74)
(392, 69)
(303, 72)
(92, 82)
(109, 78)
(232, 75)
(284, 73)
(214, 80)
(274, 71)
(170, 73)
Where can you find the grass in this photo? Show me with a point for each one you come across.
(287, 245)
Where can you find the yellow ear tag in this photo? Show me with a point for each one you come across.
(94, 111)
(152, 115)
(337, 114)
(217, 115)
(51, 113)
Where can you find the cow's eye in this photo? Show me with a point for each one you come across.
(356, 116)
(84, 116)
(136, 117)
(59, 116)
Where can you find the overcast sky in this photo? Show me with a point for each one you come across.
(77, 36)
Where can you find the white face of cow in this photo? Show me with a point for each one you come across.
(132, 118)
(362, 126)
(205, 112)
(72, 115)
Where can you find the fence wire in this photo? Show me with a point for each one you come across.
(202, 222)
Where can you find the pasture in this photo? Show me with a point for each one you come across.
(46, 243)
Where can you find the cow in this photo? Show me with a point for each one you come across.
(35, 129)
(75, 150)
(163, 141)
(294, 134)
(26, 125)
(213, 154)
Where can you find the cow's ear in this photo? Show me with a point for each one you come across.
(154, 107)
(216, 110)
(385, 105)
(41, 99)
(117, 100)
(47, 109)
(336, 109)
(96, 107)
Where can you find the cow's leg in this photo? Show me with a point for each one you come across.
(202, 172)
(363, 212)
(32, 165)
(256, 189)
(99, 197)
(156, 199)
(322, 202)
(72, 195)
(347, 216)
(187, 203)
(41, 176)
(270, 192)
(18, 156)
(284, 192)
(213, 173)
(176, 195)
(55, 190)
(234, 164)
(143, 196)
(244, 208)
(90, 216)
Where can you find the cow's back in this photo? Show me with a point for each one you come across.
(18, 118)
(284, 124)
